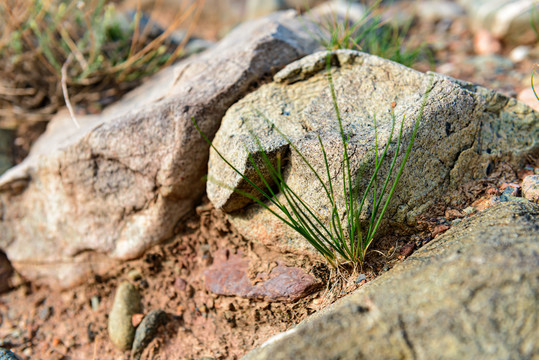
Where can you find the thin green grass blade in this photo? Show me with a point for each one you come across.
(406, 155)
(533, 86)
(315, 173)
(378, 201)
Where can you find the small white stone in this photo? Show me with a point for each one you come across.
(520, 53)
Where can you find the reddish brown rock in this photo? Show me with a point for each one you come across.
(283, 283)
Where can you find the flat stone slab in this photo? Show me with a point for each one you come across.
(472, 293)
(282, 283)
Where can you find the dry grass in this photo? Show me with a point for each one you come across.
(87, 45)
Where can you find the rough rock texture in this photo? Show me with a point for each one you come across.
(470, 294)
(506, 19)
(121, 182)
(127, 302)
(146, 331)
(463, 131)
(282, 283)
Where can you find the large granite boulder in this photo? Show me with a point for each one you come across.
(470, 294)
(121, 182)
(463, 131)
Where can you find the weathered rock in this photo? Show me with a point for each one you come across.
(127, 302)
(508, 20)
(472, 293)
(282, 283)
(146, 331)
(530, 188)
(121, 182)
(464, 130)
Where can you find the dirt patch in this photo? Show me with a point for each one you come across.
(38, 322)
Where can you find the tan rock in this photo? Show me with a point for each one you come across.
(120, 184)
(127, 303)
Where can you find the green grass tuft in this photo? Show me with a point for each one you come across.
(338, 240)
(87, 45)
(371, 34)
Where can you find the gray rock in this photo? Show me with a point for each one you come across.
(6, 157)
(530, 188)
(46, 312)
(146, 331)
(127, 302)
(506, 19)
(120, 184)
(6, 354)
(469, 294)
(463, 130)
(95, 302)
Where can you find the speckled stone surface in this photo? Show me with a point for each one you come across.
(464, 130)
(472, 293)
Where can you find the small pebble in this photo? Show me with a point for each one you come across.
(439, 229)
(46, 313)
(455, 222)
(485, 43)
(55, 341)
(527, 96)
(530, 188)
(146, 331)
(360, 278)
(6, 354)
(134, 275)
(512, 191)
(136, 319)
(520, 53)
(180, 284)
(496, 200)
(407, 249)
(95, 302)
(126, 303)
(469, 210)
